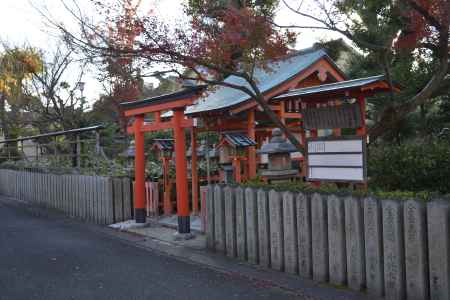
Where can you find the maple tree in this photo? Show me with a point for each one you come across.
(124, 76)
(388, 29)
(210, 7)
(234, 41)
(108, 44)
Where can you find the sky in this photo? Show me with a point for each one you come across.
(22, 24)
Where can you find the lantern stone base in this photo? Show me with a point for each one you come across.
(228, 175)
(184, 224)
(177, 236)
(139, 215)
(280, 175)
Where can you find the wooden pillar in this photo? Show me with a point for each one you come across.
(157, 117)
(167, 201)
(282, 112)
(251, 150)
(362, 131)
(208, 168)
(184, 223)
(302, 136)
(314, 134)
(303, 142)
(337, 131)
(362, 108)
(237, 169)
(194, 169)
(139, 169)
(302, 106)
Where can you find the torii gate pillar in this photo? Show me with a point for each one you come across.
(184, 222)
(139, 168)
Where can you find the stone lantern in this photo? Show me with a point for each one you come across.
(279, 152)
(128, 156)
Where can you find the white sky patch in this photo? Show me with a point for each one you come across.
(22, 24)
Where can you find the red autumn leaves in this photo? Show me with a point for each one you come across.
(419, 15)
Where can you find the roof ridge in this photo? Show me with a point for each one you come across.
(299, 52)
(340, 82)
(335, 86)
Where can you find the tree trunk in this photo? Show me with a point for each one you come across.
(259, 98)
(274, 118)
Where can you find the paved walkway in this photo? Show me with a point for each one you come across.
(46, 256)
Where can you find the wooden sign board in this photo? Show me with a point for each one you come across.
(337, 159)
(342, 116)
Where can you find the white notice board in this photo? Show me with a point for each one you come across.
(340, 159)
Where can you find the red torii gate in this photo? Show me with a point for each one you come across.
(177, 103)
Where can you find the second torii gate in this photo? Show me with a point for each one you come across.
(177, 103)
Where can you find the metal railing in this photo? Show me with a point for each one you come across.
(70, 148)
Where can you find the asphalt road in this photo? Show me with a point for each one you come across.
(50, 257)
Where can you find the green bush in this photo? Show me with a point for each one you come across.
(423, 166)
(331, 188)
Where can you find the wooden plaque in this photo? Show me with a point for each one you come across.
(342, 116)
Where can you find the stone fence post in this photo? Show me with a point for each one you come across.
(319, 238)
(276, 230)
(241, 224)
(230, 221)
(373, 247)
(416, 250)
(393, 249)
(290, 234)
(251, 217)
(337, 255)
(438, 214)
(354, 236)
(303, 207)
(219, 219)
(263, 228)
(210, 217)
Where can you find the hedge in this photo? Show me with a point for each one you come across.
(423, 166)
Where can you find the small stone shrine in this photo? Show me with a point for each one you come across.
(231, 153)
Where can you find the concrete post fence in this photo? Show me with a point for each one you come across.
(393, 249)
(97, 199)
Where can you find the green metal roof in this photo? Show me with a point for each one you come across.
(239, 140)
(164, 144)
(268, 78)
(337, 86)
(181, 94)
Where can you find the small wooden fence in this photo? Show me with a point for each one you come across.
(396, 249)
(101, 200)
